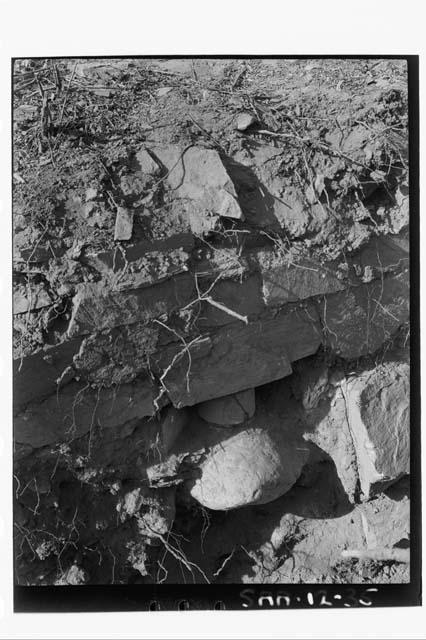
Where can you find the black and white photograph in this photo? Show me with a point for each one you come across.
(211, 323)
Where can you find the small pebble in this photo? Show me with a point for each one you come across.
(244, 121)
(91, 194)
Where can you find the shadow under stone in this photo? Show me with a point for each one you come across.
(256, 202)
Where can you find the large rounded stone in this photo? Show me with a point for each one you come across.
(228, 410)
(255, 465)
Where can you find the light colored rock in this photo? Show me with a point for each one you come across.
(75, 575)
(91, 194)
(378, 416)
(146, 163)
(324, 419)
(400, 215)
(244, 121)
(311, 195)
(330, 431)
(166, 473)
(153, 509)
(229, 410)
(88, 209)
(254, 465)
(97, 68)
(19, 222)
(163, 91)
(30, 299)
(202, 224)
(123, 224)
(361, 422)
(199, 177)
(385, 412)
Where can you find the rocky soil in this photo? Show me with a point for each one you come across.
(211, 321)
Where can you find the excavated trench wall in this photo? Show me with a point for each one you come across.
(152, 390)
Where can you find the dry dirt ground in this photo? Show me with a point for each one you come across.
(232, 232)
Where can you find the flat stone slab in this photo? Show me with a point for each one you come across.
(199, 177)
(243, 297)
(77, 408)
(385, 254)
(229, 410)
(115, 260)
(283, 284)
(95, 308)
(116, 356)
(36, 376)
(359, 320)
(239, 356)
